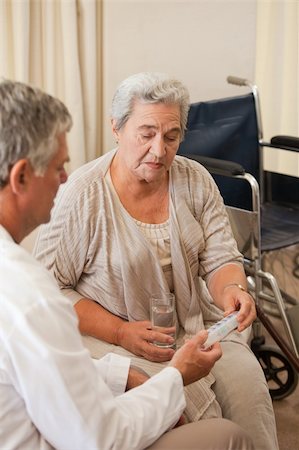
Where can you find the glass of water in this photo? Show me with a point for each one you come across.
(163, 316)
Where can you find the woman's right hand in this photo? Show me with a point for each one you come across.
(138, 338)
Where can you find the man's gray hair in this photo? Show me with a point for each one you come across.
(149, 87)
(30, 121)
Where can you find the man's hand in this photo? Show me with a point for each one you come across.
(192, 361)
(138, 338)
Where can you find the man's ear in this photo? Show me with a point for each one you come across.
(20, 175)
(114, 130)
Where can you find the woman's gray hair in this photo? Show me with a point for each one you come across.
(149, 87)
(30, 121)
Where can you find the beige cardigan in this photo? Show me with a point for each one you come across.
(96, 250)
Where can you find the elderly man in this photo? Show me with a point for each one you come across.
(52, 394)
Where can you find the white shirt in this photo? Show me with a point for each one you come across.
(52, 394)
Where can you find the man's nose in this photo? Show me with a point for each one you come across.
(63, 176)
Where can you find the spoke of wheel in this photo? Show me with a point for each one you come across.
(278, 381)
(271, 371)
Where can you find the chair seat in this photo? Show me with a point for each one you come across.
(279, 227)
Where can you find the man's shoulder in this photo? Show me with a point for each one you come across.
(22, 275)
(27, 289)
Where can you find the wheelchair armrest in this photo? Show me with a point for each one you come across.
(230, 169)
(218, 166)
(290, 143)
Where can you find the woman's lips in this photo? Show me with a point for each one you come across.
(153, 165)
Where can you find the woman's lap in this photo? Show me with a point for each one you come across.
(210, 434)
(242, 392)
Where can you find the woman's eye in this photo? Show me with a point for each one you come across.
(171, 138)
(146, 136)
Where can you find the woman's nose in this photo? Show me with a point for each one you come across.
(158, 147)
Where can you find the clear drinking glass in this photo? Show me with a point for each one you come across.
(163, 316)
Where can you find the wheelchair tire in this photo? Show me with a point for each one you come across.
(281, 377)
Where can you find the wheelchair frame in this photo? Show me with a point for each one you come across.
(246, 229)
(246, 226)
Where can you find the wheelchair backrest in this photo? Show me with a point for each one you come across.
(226, 129)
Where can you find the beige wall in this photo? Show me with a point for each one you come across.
(198, 41)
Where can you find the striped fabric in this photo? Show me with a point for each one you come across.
(95, 249)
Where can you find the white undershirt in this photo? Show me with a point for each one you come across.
(159, 238)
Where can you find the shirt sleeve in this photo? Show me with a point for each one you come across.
(64, 391)
(64, 244)
(114, 371)
(220, 245)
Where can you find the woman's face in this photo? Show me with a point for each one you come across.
(149, 140)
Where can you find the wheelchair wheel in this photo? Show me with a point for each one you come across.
(281, 376)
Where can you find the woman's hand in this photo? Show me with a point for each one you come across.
(138, 338)
(228, 288)
(234, 298)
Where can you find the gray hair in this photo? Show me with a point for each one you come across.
(30, 121)
(149, 87)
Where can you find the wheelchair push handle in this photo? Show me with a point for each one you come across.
(237, 81)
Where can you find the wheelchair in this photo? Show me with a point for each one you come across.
(226, 137)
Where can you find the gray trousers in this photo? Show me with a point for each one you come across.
(207, 434)
(243, 395)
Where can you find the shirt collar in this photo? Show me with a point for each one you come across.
(4, 234)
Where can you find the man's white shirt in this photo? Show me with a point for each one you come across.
(52, 394)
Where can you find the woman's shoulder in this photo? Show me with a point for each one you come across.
(87, 178)
(193, 180)
(92, 169)
(190, 168)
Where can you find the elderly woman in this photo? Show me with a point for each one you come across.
(141, 220)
